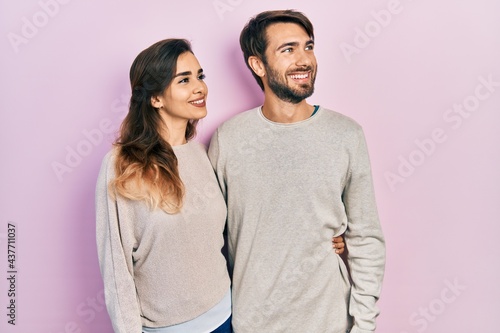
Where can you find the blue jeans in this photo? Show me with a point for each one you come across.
(225, 327)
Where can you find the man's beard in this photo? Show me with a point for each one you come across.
(284, 92)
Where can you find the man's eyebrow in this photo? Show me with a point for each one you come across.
(187, 73)
(287, 44)
(309, 42)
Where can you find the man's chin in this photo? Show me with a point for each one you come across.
(305, 93)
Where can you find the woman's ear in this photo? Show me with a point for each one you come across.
(156, 102)
(257, 66)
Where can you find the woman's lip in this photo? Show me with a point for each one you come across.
(198, 102)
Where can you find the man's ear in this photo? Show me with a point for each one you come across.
(156, 102)
(257, 66)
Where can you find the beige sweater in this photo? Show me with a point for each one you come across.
(161, 269)
(289, 189)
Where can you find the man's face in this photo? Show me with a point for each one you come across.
(290, 62)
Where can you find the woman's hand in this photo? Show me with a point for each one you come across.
(338, 244)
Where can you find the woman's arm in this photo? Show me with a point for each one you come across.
(115, 257)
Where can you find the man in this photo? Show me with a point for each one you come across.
(293, 175)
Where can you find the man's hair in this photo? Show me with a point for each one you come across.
(253, 37)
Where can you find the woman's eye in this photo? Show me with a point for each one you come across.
(202, 77)
(185, 80)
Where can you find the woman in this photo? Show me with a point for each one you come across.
(160, 213)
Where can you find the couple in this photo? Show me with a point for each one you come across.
(292, 175)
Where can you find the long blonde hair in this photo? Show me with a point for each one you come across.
(146, 166)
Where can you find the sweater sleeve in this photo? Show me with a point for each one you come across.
(115, 260)
(214, 154)
(364, 240)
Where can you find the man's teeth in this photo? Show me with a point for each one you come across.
(299, 76)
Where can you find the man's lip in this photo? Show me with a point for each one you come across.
(302, 75)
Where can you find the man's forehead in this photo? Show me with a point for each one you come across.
(286, 32)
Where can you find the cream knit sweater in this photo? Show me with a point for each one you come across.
(289, 189)
(161, 269)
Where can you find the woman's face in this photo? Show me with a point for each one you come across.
(185, 97)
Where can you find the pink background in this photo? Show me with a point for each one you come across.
(414, 73)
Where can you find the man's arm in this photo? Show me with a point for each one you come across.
(214, 155)
(364, 239)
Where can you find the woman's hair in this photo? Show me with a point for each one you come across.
(146, 166)
(253, 38)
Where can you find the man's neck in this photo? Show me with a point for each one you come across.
(280, 111)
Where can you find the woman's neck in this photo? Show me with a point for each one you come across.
(174, 130)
